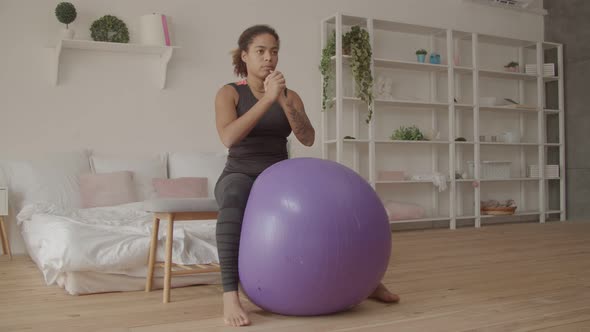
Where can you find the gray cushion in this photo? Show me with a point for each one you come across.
(181, 205)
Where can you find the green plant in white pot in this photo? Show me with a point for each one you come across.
(421, 55)
(66, 14)
(411, 133)
(512, 66)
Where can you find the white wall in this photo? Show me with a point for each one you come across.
(111, 102)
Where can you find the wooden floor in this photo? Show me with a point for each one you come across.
(518, 277)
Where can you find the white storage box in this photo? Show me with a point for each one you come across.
(551, 171)
(548, 69)
(490, 169)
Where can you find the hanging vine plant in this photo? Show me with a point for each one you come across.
(356, 44)
(327, 70)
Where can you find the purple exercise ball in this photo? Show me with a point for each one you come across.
(315, 238)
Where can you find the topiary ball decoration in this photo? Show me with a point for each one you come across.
(65, 13)
(109, 29)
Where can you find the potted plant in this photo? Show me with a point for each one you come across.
(66, 14)
(511, 66)
(421, 54)
(356, 44)
(411, 133)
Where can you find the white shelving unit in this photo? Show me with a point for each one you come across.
(164, 52)
(449, 105)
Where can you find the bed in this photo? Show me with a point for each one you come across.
(105, 249)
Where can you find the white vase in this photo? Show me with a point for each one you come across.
(67, 34)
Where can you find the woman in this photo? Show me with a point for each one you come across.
(254, 117)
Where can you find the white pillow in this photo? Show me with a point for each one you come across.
(53, 178)
(197, 164)
(144, 168)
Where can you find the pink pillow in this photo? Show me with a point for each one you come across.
(186, 187)
(401, 211)
(107, 189)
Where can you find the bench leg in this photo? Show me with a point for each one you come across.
(152, 255)
(168, 261)
(5, 243)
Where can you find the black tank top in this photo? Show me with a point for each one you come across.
(266, 144)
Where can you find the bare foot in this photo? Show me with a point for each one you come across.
(382, 294)
(233, 313)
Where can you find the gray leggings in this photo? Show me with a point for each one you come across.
(231, 192)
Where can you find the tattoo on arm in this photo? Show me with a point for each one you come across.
(301, 126)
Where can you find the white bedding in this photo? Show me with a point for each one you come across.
(105, 249)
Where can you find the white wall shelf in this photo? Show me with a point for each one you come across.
(499, 4)
(419, 220)
(402, 103)
(510, 144)
(464, 106)
(550, 78)
(444, 99)
(506, 75)
(404, 182)
(163, 52)
(411, 142)
(507, 109)
(517, 214)
(408, 65)
(510, 179)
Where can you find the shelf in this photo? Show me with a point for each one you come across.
(418, 220)
(517, 214)
(510, 179)
(450, 105)
(400, 64)
(464, 106)
(503, 41)
(164, 52)
(550, 45)
(550, 78)
(553, 211)
(439, 142)
(406, 28)
(506, 75)
(465, 217)
(463, 70)
(509, 144)
(348, 20)
(405, 182)
(409, 65)
(507, 109)
(347, 140)
(410, 142)
(399, 103)
(411, 103)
